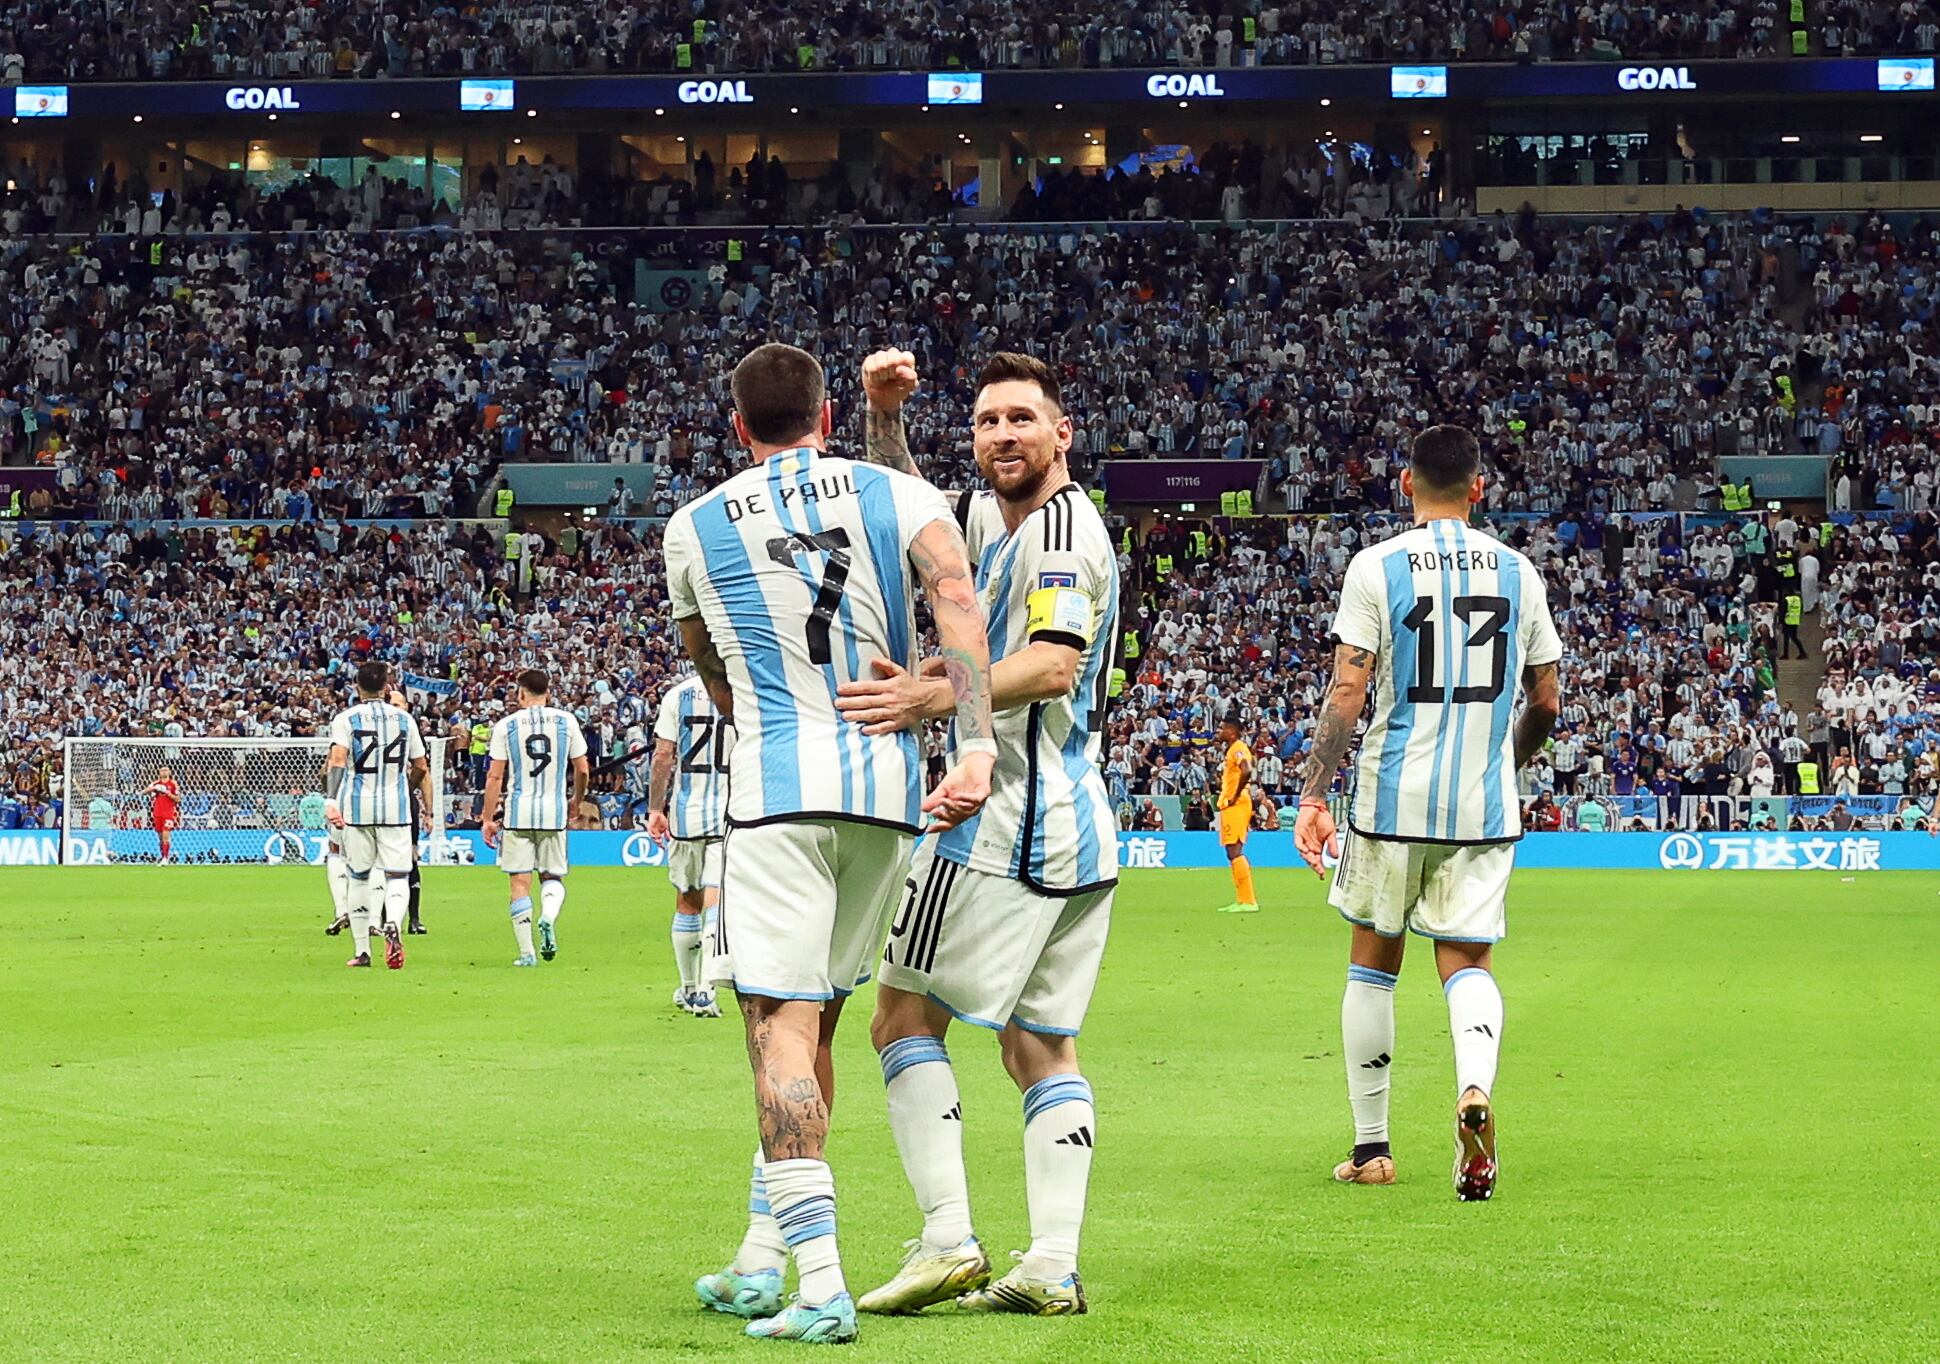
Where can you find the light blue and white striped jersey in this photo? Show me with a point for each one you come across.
(381, 741)
(1049, 820)
(1454, 616)
(800, 568)
(538, 744)
(703, 743)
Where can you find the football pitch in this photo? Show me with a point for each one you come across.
(1719, 1106)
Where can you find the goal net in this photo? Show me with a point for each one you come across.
(241, 800)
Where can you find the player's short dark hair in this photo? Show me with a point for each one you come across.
(1007, 365)
(534, 682)
(1445, 459)
(373, 678)
(779, 391)
(1233, 718)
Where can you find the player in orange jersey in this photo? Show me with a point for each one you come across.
(1236, 814)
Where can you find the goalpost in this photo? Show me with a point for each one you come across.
(243, 800)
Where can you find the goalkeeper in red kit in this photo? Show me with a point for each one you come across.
(164, 807)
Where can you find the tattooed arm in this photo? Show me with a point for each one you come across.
(1340, 712)
(942, 565)
(888, 379)
(1542, 702)
(707, 662)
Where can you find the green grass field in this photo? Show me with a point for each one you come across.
(1719, 1102)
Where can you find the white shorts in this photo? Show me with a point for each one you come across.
(377, 847)
(804, 905)
(993, 951)
(1439, 890)
(523, 851)
(694, 864)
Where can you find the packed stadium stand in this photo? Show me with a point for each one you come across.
(268, 395)
(101, 41)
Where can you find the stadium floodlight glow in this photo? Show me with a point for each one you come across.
(1872, 137)
(661, 112)
(487, 97)
(954, 87)
(1905, 73)
(1789, 138)
(794, 109)
(1417, 82)
(532, 113)
(39, 101)
(1326, 103)
(138, 118)
(1057, 106)
(397, 113)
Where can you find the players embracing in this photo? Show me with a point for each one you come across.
(1004, 919)
(788, 581)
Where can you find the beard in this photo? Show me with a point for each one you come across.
(1021, 485)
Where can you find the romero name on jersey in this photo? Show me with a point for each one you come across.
(1454, 616)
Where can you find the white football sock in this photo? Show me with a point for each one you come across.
(397, 901)
(710, 926)
(687, 949)
(1475, 1023)
(1060, 1127)
(763, 1247)
(802, 1196)
(338, 875)
(926, 1117)
(522, 924)
(359, 896)
(552, 894)
(1367, 1043)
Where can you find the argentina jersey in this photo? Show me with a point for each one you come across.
(800, 568)
(538, 744)
(703, 742)
(1454, 617)
(1049, 821)
(380, 742)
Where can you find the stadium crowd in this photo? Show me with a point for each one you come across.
(299, 379)
(1668, 681)
(96, 40)
(347, 374)
(1670, 632)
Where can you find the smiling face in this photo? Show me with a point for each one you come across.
(1020, 440)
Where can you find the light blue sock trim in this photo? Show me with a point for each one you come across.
(1449, 984)
(758, 1193)
(1050, 1093)
(804, 1221)
(522, 906)
(1368, 975)
(687, 923)
(905, 1052)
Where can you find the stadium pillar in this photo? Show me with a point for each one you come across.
(860, 152)
(993, 157)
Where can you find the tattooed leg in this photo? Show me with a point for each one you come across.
(784, 1037)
